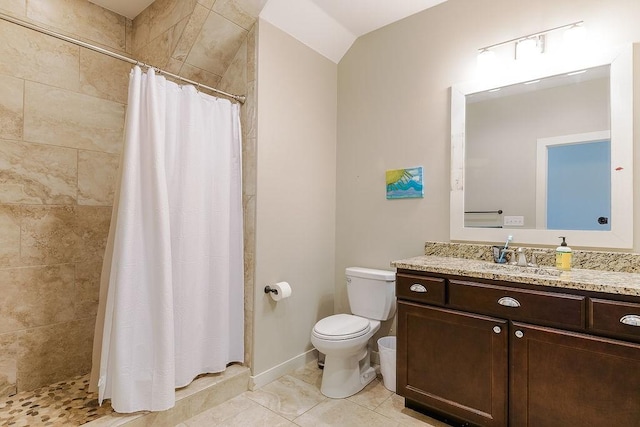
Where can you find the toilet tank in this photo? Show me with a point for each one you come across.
(372, 293)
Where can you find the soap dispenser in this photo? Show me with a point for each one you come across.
(563, 256)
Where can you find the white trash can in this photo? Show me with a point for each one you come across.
(387, 352)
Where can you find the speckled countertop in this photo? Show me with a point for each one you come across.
(612, 282)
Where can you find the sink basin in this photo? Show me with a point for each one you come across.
(516, 269)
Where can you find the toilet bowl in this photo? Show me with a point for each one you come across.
(344, 338)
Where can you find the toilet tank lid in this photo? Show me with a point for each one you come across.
(371, 273)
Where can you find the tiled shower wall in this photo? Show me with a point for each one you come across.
(61, 123)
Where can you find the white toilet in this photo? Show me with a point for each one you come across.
(344, 338)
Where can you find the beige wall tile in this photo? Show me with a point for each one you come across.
(159, 50)
(60, 117)
(36, 296)
(241, 12)
(48, 235)
(140, 31)
(248, 113)
(54, 353)
(174, 66)
(92, 229)
(10, 217)
(128, 27)
(199, 75)
(103, 76)
(82, 18)
(207, 3)
(8, 364)
(190, 33)
(164, 14)
(11, 106)
(249, 167)
(16, 7)
(97, 176)
(37, 174)
(235, 78)
(252, 54)
(216, 44)
(87, 289)
(33, 56)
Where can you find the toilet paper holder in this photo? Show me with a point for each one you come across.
(268, 289)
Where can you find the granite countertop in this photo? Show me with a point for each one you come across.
(590, 280)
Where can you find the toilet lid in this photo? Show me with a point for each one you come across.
(341, 327)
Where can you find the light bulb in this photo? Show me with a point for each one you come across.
(575, 38)
(486, 59)
(529, 48)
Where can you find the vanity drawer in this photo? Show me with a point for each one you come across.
(429, 290)
(541, 307)
(615, 318)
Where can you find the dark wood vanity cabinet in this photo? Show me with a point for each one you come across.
(533, 360)
(453, 362)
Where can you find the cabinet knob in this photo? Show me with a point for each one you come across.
(519, 334)
(417, 287)
(631, 320)
(509, 302)
(497, 329)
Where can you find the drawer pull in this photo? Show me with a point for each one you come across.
(497, 329)
(417, 287)
(509, 302)
(631, 320)
(519, 334)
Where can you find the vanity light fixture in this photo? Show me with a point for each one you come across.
(533, 45)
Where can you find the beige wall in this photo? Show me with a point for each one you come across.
(61, 124)
(393, 111)
(295, 205)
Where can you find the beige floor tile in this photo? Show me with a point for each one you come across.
(288, 396)
(240, 412)
(393, 408)
(373, 395)
(310, 374)
(341, 412)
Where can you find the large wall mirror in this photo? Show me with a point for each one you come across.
(546, 153)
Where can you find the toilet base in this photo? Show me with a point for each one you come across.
(345, 376)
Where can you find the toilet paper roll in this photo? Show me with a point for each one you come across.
(284, 291)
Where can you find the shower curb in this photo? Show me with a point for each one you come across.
(202, 394)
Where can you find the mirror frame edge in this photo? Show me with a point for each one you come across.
(621, 234)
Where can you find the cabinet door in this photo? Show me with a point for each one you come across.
(561, 378)
(453, 363)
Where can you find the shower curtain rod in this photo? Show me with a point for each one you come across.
(240, 98)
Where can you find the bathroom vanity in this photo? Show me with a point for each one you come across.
(495, 345)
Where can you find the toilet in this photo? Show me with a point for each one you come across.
(344, 338)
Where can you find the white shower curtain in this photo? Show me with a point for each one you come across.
(172, 280)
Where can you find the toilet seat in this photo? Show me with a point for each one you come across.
(341, 327)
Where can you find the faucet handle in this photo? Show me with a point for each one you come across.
(534, 261)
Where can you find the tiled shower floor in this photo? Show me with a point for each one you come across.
(67, 403)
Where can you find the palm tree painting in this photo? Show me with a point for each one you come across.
(405, 183)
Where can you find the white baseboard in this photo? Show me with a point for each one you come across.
(264, 378)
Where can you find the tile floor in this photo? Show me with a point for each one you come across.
(295, 400)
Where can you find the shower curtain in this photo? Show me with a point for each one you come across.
(171, 304)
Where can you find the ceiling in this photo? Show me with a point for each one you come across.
(328, 26)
